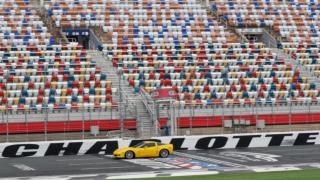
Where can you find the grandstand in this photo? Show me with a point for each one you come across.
(87, 63)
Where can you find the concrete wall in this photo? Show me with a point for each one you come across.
(107, 146)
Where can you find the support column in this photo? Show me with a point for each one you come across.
(155, 117)
(173, 124)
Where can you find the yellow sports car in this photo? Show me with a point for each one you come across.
(144, 149)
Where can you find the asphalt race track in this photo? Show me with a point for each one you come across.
(181, 163)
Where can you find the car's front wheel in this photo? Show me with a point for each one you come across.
(164, 153)
(129, 155)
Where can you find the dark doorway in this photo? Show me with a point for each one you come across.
(82, 40)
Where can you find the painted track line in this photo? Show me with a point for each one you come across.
(223, 157)
(84, 159)
(194, 173)
(296, 149)
(133, 176)
(23, 167)
(105, 168)
(163, 174)
(274, 169)
(211, 160)
(94, 163)
(151, 163)
(130, 175)
(56, 177)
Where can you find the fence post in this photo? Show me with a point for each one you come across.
(179, 119)
(67, 123)
(83, 122)
(68, 114)
(309, 113)
(26, 122)
(25, 116)
(222, 120)
(124, 116)
(174, 117)
(192, 117)
(256, 113)
(212, 114)
(2, 117)
(111, 112)
(119, 73)
(190, 120)
(120, 106)
(272, 114)
(290, 115)
(46, 124)
(154, 118)
(7, 127)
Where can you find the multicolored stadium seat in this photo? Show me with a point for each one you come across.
(21, 25)
(58, 76)
(158, 44)
(37, 74)
(177, 44)
(296, 22)
(202, 66)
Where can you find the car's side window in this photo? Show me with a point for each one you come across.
(150, 145)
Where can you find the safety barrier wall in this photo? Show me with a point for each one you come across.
(279, 119)
(65, 126)
(107, 146)
(214, 116)
(26, 126)
(183, 122)
(62, 120)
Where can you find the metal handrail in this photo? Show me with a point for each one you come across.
(146, 99)
(152, 110)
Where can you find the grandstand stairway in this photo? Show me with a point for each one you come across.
(311, 78)
(273, 33)
(105, 67)
(130, 99)
(49, 23)
(233, 30)
(144, 121)
(222, 22)
(304, 72)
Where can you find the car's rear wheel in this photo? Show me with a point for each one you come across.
(129, 155)
(164, 153)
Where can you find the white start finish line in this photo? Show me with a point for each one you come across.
(23, 167)
(159, 174)
(274, 169)
(152, 164)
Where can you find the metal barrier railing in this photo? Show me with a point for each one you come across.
(191, 119)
